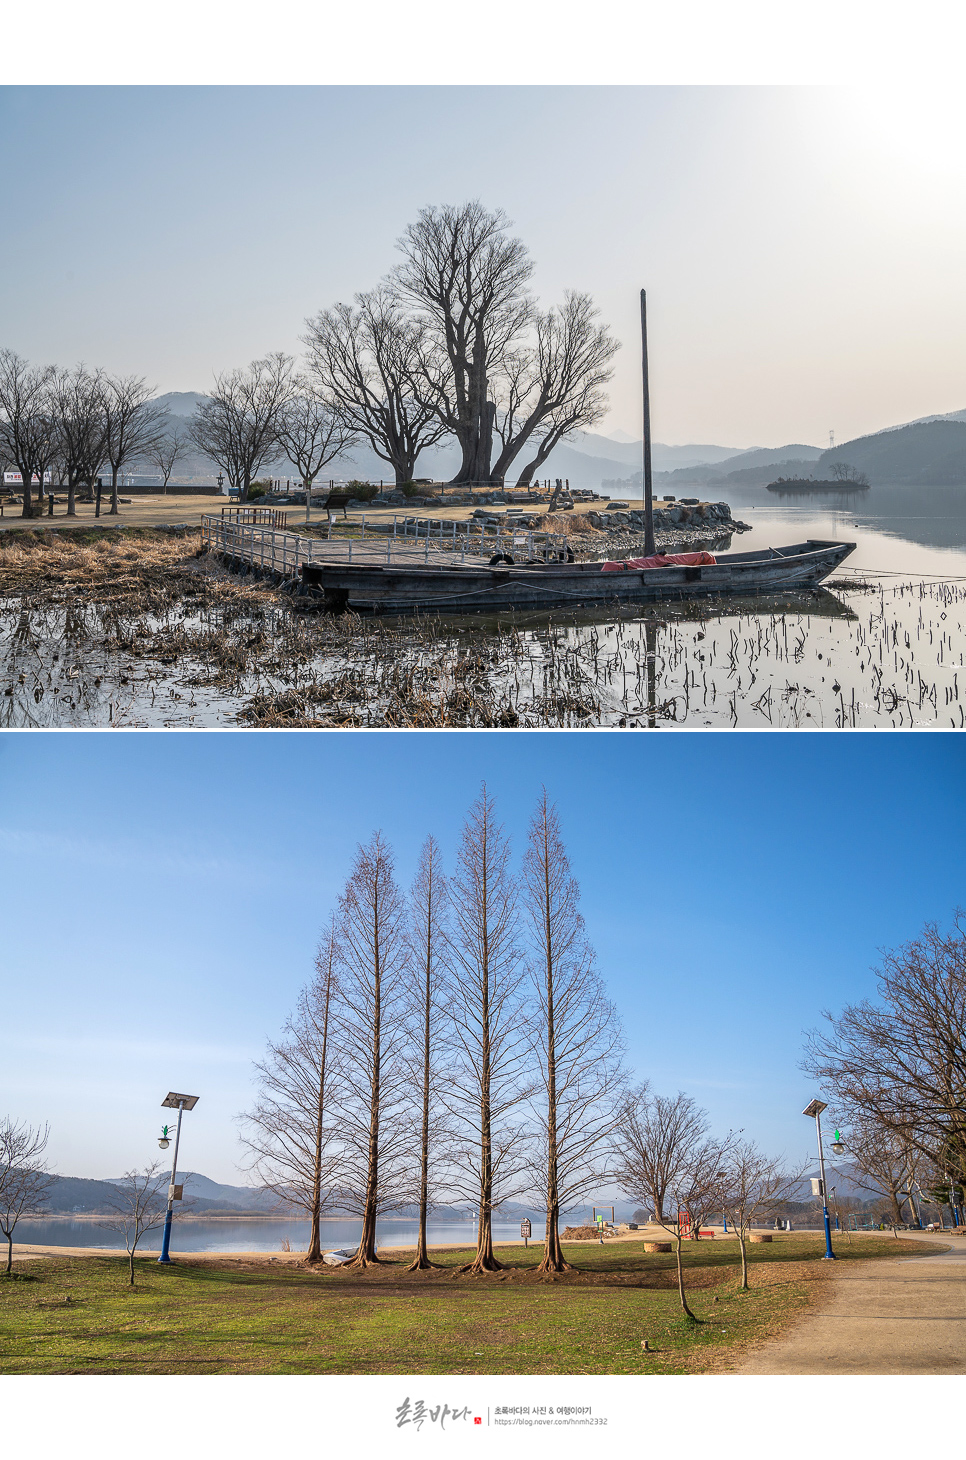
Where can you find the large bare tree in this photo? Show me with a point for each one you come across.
(900, 1062)
(655, 1134)
(468, 280)
(428, 905)
(24, 1178)
(576, 1032)
(365, 358)
(292, 1132)
(133, 425)
(170, 447)
(554, 386)
(140, 1206)
(491, 1080)
(27, 432)
(236, 425)
(371, 965)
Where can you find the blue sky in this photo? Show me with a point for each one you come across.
(801, 245)
(164, 894)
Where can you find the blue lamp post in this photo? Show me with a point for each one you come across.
(181, 1103)
(815, 1109)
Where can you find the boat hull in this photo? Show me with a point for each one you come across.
(461, 588)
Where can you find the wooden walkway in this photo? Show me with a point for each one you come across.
(411, 542)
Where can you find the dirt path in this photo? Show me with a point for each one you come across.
(905, 1315)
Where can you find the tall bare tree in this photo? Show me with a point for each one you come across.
(170, 447)
(491, 1080)
(311, 432)
(900, 1063)
(236, 425)
(428, 905)
(24, 1178)
(140, 1206)
(133, 425)
(365, 359)
(753, 1186)
(80, 415)
(292, 1132)
(468, 280)
(554, 386)
(371, 965)
(27, 432)
(576, 1033)
(883, 1161)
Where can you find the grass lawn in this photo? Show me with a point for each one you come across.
(78, 1315)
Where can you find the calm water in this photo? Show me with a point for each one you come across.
(883, 645)
(263, 1236)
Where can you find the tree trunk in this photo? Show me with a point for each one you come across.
(314, 1253)
(131, 1263)
(684, 1301)
(9, 1236)
(366, 1254)
(71, 498)
(115, 509)
(744, 1259)
(245, 484)
(28, 499)
(553, 1258)
(485, 1261)
(421, 1262)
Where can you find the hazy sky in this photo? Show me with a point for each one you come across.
(165, 892)
(802, 246)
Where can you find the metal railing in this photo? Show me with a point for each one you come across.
(408, 541)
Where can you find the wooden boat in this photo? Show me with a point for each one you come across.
(475, 587)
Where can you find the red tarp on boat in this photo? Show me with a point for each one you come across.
(660, 560)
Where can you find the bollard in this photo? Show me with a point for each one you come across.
(50, 505)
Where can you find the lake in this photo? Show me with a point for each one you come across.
(266, 1235)
(881, 645)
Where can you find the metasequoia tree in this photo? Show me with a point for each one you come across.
(292, 1133)
(900, 1063)
(468, 281)
(236, 425)
(576, 1038)
(140, 1206)
(489, 1023)
(371, 962)
(133, 425)
(24, 1178)
(753, 1186)
(311, 432)
(27, 433)
(655, 1133)
(555, 387)
(365, 357)
(80, 416)
(428, 905)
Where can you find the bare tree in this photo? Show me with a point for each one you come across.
(365, 358)
(428, 903)
(371, 963)
(655, 1134)
(80, 415)
(133, 425)
(885, 1161)
(311, 432)
(292, 1133)
(555, 386)
(236, 425)
(469, 282)
(139, 1207)
(27, 433)
(843, 472)
(576, 1035)
(491, 1080)
(169, 448)
(753, 1186)
(900, 1064)
(24, 1178)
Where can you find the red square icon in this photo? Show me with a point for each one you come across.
(477, 1420)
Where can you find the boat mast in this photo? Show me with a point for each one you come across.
(649, 548)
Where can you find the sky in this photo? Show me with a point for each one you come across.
(164, 893)
(801, 245)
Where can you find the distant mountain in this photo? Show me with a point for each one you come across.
(922, 420)
(179, 402)
(80, 1195)
(927, 453)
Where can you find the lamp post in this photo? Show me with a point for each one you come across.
(181, 1103)
(815, 1109)
(221, 481)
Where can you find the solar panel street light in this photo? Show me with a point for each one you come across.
(181, 1103)
(815, 1108)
